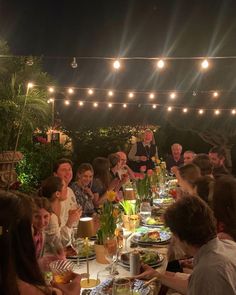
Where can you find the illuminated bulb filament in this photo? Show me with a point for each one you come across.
(116, 64)
(95, 104)
(124, 105)
(90, 91)
(70, 90)
(200, 111)
(81, 103)
(205, 64)
(110, 105)
(233, 112)
(217, 112)
(154, 106)
(160, 64)
(173, 95)
(131, 95)
(67, 102)
(185, 110)
(169, 109)
(51, 89)
(151, 95)
(110, 93)
(215, 94)
(30, 85)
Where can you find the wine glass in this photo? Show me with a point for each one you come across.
(75, 242)
(145, 211)
(111, 250)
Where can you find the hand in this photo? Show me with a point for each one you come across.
(88, 191)
(147, 273)
(143, 158)
(174, 170)
(72, 288)
(73, 216)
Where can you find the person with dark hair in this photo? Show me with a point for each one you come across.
(41, 218)
(217, 157)
(63, 169)
(55, 190)
(186, 176)
(204, 163)
(142, 152)
(193, 224)
(19, 271)
(224, 207)
(204, 187)
(82, 189)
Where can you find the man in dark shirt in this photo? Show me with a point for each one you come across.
(175, 159)
(217, 159)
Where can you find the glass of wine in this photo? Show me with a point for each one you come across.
(111, 252)
(75, 242)
(145, 211)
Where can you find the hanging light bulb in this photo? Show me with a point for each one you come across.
(205, 64)
(29, 61)
(233, 112)
(90, 91)
(81, 103)
(110, 105)
(95, 104)
(74, 64)
(151, 95)
(215, 94)
(169, 109)
(70, 90)
(173, 95)
(154, 106)
(51, 89)
(30, 85)
(160, 64)
(116, 64)
(185, 110)
(110, 93)
(217, 112)
(131, 94)
(67, 102)
(124, 105)
(200, 112)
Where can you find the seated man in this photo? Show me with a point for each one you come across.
(188, 157)
(175, 159)
(214, 269)
(124, 168)
(217, 158)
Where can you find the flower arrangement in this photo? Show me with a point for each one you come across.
(109, 216)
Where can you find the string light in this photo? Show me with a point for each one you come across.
(173, 95)
(124, 105)
(154, 106)
(95, 104)
(215, 94)
(30, 85)
(233, 112)
(185, 110)
(151, 95)
(116, 64)
(205, 64)
(67, 102)
(74, 64)
(90, 91)
(169, 109)
(110, 93)
(201, 111)
(51, 89)
(110, 105)
(160, 64)
(217, 112)
(81, 103)
(70, 90)
(131, 95)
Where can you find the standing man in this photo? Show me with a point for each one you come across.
(63, 169)
(142, 152)
(175, 159)
(217, 159)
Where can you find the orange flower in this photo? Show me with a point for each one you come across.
(111, 196)
(115, 212)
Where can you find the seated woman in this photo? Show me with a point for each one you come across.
(55, 190)
(41, 218)
(19, 271)
(82, 189)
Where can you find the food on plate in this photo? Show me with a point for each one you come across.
(146, 256)
(152, 236)
(158, 220)
(70, 252)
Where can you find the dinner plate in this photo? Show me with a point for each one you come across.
(82, 258)
(164, 239)
(137, 286)
(125, 262)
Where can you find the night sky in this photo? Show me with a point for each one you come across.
(59, 30)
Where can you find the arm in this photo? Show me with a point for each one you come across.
(133, 152)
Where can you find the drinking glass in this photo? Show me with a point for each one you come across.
(121, 286)
(111, 252)
(75, 242)
(145, 211)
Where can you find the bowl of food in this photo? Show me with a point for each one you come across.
(62, 271)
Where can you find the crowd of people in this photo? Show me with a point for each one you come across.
(202, 219)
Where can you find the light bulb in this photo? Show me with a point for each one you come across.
(131, 95)
(233, 112)
(67, 102)
(30, 85)
(185, 110)
(151, 95)
(215, 94)
(70, 90)
(173, 95)
(154, 106)
(110, 105)
(95, 104)
(90, 91)
(217, 112)
(200, 111)
(110, 93)
(169, 109)
(51, 89)
(205, 64)
(160, 64)
(74, 64)
(124, 105)
(81, 103)
(116, 64)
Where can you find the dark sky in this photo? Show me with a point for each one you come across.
(56, 29)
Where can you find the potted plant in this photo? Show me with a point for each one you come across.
(129, 214)
(109, 216)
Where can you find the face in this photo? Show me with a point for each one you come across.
(62, 195)
(86, 177)
(123, 159)
(65, 172)
(188, 158)
(215, 160)
(184, 185)
(176, 150)
(41, 219)
(148, 136)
